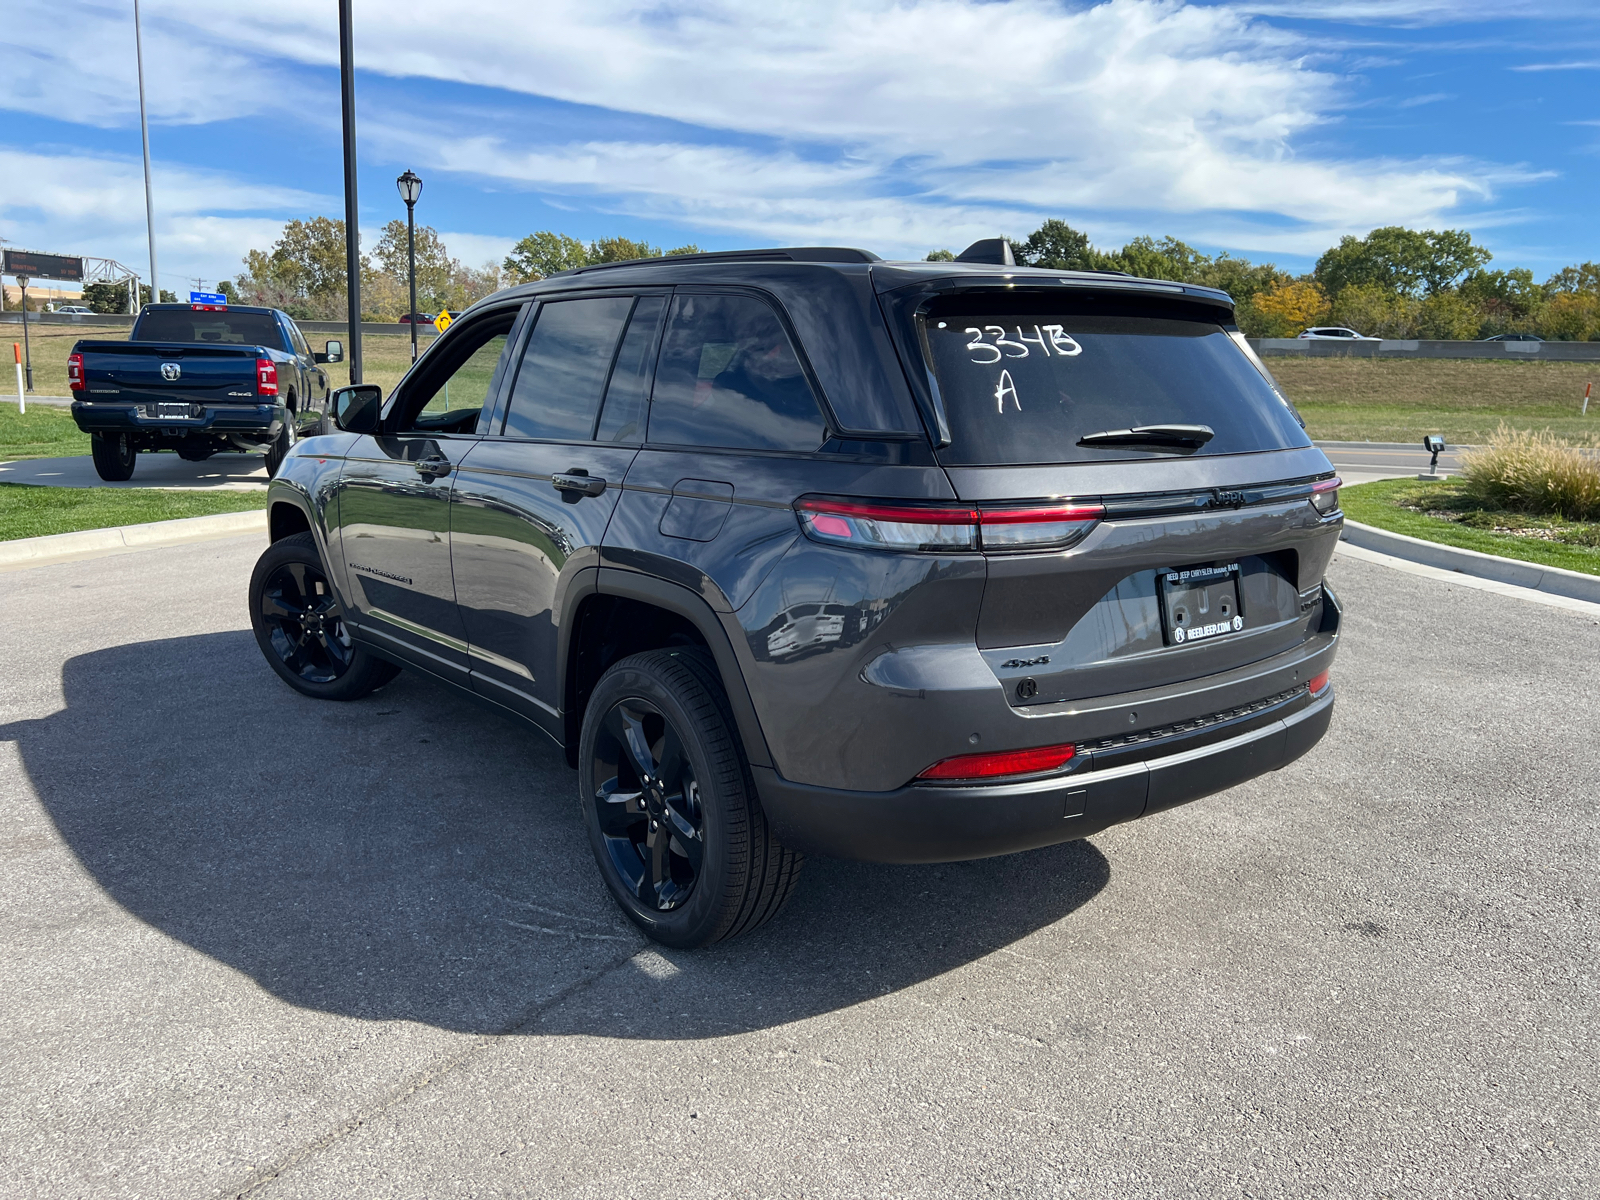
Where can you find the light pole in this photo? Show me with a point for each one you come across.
(352, 218)
(410, 186)
(149, 206)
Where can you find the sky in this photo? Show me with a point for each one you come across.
(1266, 129)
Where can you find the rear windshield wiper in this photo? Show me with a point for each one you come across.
(1184, 436)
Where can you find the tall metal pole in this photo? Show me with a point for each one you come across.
(352, 221)
(149, 205)
(27, 351)
(411, 271)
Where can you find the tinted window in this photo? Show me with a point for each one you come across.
(227, 328)
(564, 368)
(1024, 389)
(622, 419)
(297, 338)
(729, 377)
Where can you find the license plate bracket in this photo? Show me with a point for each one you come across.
(165, 411)
(1200, 604)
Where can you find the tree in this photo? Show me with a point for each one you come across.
(542, 254)
(1059, 247)
(1290, 307)
(1404, 262)
(436, 271)
(303, 273)
(620, 249)
(113, 297)
(1584, 278)
(940, 256)
(1167, 259)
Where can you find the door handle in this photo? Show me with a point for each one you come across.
(579, 481)
(434, 464)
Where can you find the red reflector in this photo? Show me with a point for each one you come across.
(1004, 762)
(266, 377)
(1317, 683)
(75, 372)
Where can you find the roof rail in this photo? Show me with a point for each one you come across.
(839, 254)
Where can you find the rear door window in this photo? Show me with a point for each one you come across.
(729, 377)
(564, 368)
(1024, 388)
(622, 419)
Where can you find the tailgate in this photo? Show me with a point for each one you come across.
(1174, 551)
(153, 370)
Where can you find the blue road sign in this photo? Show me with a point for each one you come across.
(207, 298)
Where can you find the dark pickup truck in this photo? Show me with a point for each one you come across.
(199, 379)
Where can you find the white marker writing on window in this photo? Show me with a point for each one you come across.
(1003, 389)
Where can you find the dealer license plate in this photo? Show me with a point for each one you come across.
(1200, 604)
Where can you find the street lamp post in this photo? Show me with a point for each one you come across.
(410, 191)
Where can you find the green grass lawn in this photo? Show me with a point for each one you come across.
(1404, 506)
(41, 432)
(1401, 400)
(384, 357)
(35, 511)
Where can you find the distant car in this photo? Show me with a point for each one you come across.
(77, 309)
(1513, 337)
(416, 318)
(1336, 331)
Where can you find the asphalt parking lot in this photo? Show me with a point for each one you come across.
(257, 946)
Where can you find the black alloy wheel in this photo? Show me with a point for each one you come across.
(648, 805)
(306, 627)
(300, 627)
(674, 821)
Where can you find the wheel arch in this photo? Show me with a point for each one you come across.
(285, 518)
(615, 613)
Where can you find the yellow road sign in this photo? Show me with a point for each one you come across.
(442, 322)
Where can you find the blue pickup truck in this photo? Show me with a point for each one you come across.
(199, 379)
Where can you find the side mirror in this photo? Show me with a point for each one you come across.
(356, 409)
(332, 352)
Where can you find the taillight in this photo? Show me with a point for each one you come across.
(1316, 683)
(75, 372)
(1003, 762)
(872, 525)
(1043, 527)
(1325, 495)
(266, 377)
(877, 526)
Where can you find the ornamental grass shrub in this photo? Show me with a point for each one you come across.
(1536, 473)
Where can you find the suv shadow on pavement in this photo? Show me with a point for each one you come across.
(414, 857)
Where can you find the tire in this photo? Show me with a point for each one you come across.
(114, 456)
(281, 445)
(662, 776)
(300, 628)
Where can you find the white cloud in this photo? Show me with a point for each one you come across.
(94, 206)
(897, 124)
(476, 249)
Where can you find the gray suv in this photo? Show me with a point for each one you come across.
(800, 551)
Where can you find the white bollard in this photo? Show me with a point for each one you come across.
(1585, 411)
(22, 399)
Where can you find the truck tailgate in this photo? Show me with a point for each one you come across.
(157, 370)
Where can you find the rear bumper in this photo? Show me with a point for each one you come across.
(258, 421)
(946, 824)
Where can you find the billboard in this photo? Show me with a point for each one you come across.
(43, 266)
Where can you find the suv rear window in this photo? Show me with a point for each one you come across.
(1023, 388)
(215, 328)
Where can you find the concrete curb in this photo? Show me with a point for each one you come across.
(1557, 581)
(92, 543)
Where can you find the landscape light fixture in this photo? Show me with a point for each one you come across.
(1433, 443)
(410, 185)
